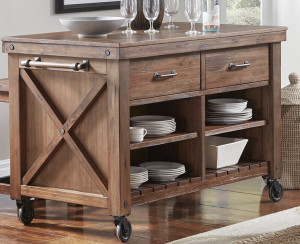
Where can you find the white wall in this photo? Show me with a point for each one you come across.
(286, 13)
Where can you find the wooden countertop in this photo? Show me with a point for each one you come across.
(116, 39)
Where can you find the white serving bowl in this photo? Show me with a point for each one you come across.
(92, 26)
(223, 151)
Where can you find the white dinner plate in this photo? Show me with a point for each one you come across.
(161, 165)
(152, 118)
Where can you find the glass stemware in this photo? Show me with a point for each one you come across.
(171, 9)
(128, 10)
(151, 11)
(192, 11)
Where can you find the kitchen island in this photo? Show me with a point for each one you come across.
(71, 100)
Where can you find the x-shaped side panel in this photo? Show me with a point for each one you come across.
(65, 130)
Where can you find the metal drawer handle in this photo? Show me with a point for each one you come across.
(232, 66)
(157, 76)
(37, 63)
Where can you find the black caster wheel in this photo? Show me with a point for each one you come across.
(25, 211)
(123, 228)
(275, 190)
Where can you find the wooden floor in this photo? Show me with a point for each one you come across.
(157, 222)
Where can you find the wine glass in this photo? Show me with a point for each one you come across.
(128, 10)
(171, 8)
(151, 11)
(192, 11)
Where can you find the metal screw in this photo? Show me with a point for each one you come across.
(107, 52)
(12, 47)
(62, 131)
(125, 204)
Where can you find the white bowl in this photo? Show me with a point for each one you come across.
(92, 26)
(223, 151)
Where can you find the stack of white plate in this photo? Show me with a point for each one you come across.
(227, 111)
(4, 168)
(138, 176)
(163, 171)
(155, 125)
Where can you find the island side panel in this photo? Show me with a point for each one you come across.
(119, 203)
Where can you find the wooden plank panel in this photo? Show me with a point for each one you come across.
(82, 198)
(42, 159)
(119, 141)
(200, 45)
(158, 99)
(17, 128)
(174, 137)
(245, 86)
(87, 162)
(272, 111)
(211, 130)
(143, 85)
(192, 187)
(85, 105)
(218, 74)
(61, 50)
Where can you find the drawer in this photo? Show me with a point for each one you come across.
(218, 73)
(143, 84)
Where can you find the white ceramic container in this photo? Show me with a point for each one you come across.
(223, 151)
(92, 26)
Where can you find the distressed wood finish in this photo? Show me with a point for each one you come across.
(173, 137)
(63, 195)
(165, 190)
(271, 109)
(218, 74)
(143, 85)
(119, 146)
(211, 130)
(17, 130)
(70, 137)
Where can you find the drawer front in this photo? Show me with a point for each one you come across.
(143, 84)
(218, 73)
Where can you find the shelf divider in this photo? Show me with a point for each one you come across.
(211, 130)
(174, 137)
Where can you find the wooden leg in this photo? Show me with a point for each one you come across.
(16, 127)
(119, 203)
(271, 102)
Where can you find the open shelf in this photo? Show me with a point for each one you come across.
(152, 191)
(211, 130)
(174, 137)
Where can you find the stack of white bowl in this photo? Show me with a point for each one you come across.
(138, 176)
(227, 111)
(156, 125)
(163, 171)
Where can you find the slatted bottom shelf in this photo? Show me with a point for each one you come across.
(152, 191)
